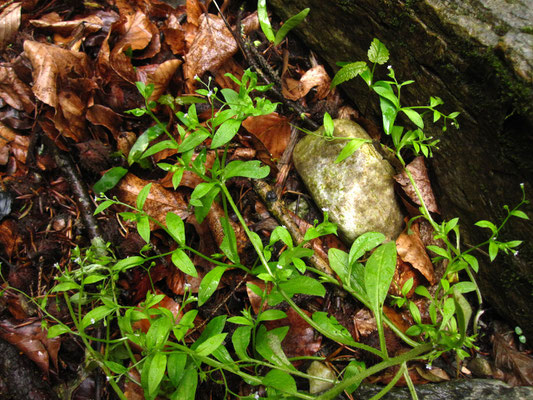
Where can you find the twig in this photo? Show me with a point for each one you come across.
(284, 163)
(283, 215)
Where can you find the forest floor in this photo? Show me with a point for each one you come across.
(78, 286)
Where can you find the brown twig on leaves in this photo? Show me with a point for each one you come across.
(283, 216)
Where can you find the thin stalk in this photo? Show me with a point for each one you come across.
(391, 384)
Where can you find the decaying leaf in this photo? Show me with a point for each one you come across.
(417, 168)
(52, 22)
(411, 249)
(31, 340)
(273, 130)
(9, 24)
(159, 202)
(15, 92)
(315, 77)
(508, 358)
(162, 77)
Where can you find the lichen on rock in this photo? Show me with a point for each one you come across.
(358, 193)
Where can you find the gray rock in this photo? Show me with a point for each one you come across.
(477, 55)
(474, 389)
(358, 192)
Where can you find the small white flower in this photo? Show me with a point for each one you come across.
(429, 366)
(279, 266)
(92, 321)
(284, 226)
(522, 185)
(196, 77)
(256, 395)
(325, 209)
(389, 67)
(210, 93)
(187, 286)
(77, 260)
(56, 265)
(515, 253)
(186, 115)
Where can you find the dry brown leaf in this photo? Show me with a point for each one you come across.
(11, 141)
(52, 22)
(136, 33)
(104, 116)
(160, 201)
(194, 11)
(412, 250)
(15, 92)
(9, 237)
(161, 77)
(433, 374)
(9, 24)
(273, 130)
(50, 64)
(508, 358)
(213, 46)
(314, 77)
(417, 168)
(301, 339)
(174, 35)
(32, 340)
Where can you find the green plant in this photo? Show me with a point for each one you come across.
(172, 366)
(278, 37)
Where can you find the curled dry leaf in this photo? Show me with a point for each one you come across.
(174, 35)
(159, 202)
(315, 77)
(508, 358)
(417, 168)
(213, 45)
(136, 32)
(162, 76)
(53, 23)
(412, 250)
(52, 64)
(104, 116)
(12, 142)
(216, 212)
(273, 130)
(31, 340)
(13, 91)
(9, 24)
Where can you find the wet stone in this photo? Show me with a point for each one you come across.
(358, 193)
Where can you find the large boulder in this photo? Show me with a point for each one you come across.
(359, 192)
(478, 57)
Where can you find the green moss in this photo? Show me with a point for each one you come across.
(527, 29)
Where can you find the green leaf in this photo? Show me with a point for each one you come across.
(182, 261)
(209, 284)
(379, 271)
(338, 261)
(109, 180)
(487, 224)
(271, 315)
(202, 189)
(281, 233)
(463, 312)
(290, 24)
(439, 251)
(158, 332)
(352, 146)
(142, 196)
(423, 291)
(95, 315)
(464, 287)
(64, 286)
(116, 367)
(246, 169)
(240, 321)
(225, 132)
(128, 263)
(347, 72)
(493, 250)
(229, 242)
(187, 387)
(472, 261)
(334, 329)
(143, 227)
(414, 116)
(264, 21)
(519, 214)
(384, 89)
(328, 125)
(193, 140)
(142, 142)
(365, 242)
(156, 372)
(268, 344)
(103, 205)
(280, 380)
(186, 323)
(211, 344)
(176, 367)
(176, 227)
(415, 312)
(57, 330)
(354, 367)
(160, 146)
(378, 53)
(304, 285)
(389, 112)
(241, 339)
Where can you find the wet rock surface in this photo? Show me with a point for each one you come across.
(478, 57)
(358, 192)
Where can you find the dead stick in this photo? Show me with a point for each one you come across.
(283, 215)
